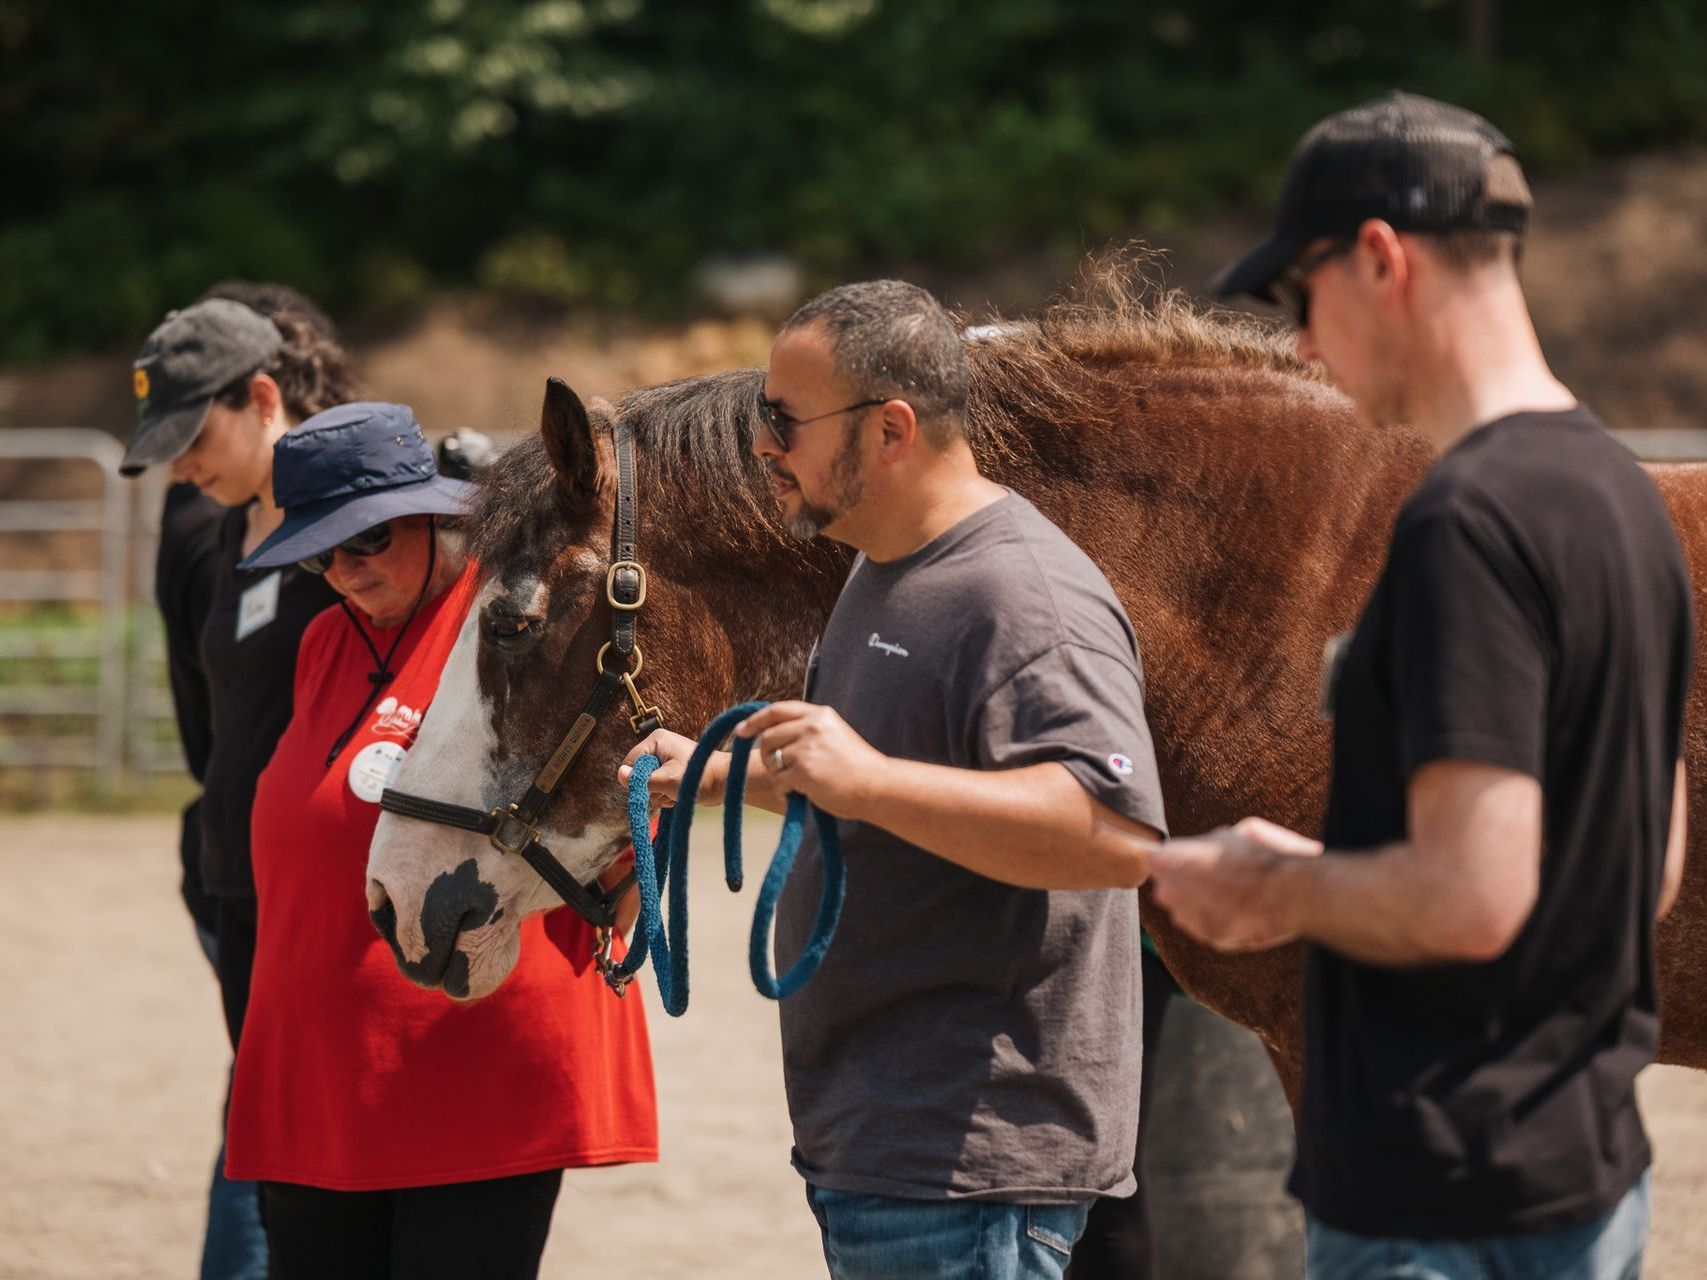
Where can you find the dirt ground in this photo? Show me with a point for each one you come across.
(112, 1059)
(112, 1062)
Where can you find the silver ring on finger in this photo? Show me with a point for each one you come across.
(777, 765)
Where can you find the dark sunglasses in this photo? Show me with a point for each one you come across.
(369, 542)
(782, 426)
(1291, 288)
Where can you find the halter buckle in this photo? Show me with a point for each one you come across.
(509, 819)
(610, 585)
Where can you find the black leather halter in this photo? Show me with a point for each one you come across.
(514, 828)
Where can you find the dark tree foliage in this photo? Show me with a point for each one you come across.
(598, 150)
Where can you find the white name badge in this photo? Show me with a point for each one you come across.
(258, 606)
(375, 768)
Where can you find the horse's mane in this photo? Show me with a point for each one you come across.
(1118, 316)
(695, 434)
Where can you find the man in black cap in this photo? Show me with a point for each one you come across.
(1506, 816)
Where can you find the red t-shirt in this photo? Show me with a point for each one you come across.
(351, 1077)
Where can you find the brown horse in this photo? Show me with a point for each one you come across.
(1229, 495)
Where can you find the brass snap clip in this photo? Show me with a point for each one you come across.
(603, 939)
(642, 712)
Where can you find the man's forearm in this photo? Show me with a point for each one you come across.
(1677, 841)
(1035, 827)
(1387, 907)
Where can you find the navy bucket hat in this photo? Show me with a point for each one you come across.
(348, 469)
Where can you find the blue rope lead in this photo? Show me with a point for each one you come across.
(663, 863)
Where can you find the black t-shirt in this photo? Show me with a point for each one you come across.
(1534, 614)
(185, 567)
(248, 647)
(185, 570)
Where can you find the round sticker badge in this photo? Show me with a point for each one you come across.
(375, 768)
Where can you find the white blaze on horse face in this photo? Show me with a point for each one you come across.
(450, 761)
(453, 760)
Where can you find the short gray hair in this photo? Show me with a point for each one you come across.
(890, 338)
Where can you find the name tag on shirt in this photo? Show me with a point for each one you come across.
(375, 768)
(258, 606)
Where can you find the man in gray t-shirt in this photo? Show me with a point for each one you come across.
(962, 1072)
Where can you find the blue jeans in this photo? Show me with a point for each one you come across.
(235, 1246)
(884, 1238)
(1609, 1248)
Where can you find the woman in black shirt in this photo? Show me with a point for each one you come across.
(217, 384)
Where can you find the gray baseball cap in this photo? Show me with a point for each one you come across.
(190, 358)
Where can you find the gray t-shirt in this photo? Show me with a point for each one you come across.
(967, 1038)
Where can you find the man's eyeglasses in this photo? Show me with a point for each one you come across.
(782, 426)
(1291, 289)
(369, 542)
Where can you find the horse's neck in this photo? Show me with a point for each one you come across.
(771, 609)
(1242, 519)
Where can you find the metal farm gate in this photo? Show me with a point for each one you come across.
(82, 684)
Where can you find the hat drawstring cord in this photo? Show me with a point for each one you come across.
(383, 674)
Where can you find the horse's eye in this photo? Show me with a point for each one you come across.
(506, 624)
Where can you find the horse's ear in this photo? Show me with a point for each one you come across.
(568, 436)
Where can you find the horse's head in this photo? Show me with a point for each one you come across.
(730, 610)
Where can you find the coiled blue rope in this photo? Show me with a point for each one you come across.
(663, 863)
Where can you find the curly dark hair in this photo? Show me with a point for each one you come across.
(312, 368)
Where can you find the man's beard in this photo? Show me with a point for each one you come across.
(846, 487)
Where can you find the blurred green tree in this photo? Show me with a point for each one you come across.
(570, 151)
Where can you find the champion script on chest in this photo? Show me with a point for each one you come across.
(888, 648)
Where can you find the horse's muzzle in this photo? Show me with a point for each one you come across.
(453, 904)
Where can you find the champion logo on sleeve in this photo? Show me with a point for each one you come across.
(1122, 765)
(891, 650)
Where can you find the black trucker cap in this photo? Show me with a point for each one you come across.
(1417, 164)
(190, 358)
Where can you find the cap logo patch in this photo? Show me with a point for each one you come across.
(139, 380)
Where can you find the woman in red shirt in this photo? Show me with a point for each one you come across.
(397, 1132)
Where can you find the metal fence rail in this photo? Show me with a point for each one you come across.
(104, 585)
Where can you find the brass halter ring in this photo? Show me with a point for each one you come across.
(639, 661)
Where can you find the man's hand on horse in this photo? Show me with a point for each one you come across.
(673, 750)
(810, 749)
(1221, 887)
